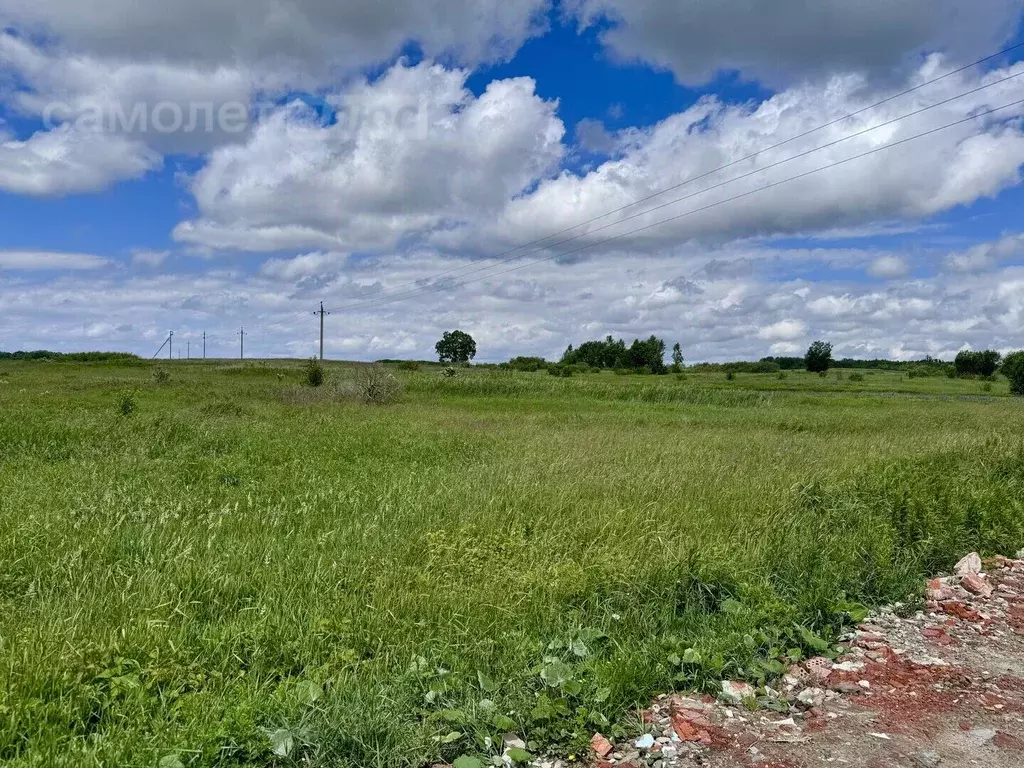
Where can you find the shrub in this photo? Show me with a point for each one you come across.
(782, 375)
(161, 377)
(857, 377)
(449, 372)
(680, 377)
(730, 376)
(1013, 369)
(986, 387)
(409, 365)
(982, 364)
(376, 385)
(314, 373)
(125, 402)
(528, 364)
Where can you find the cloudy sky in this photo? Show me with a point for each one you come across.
(742, 178)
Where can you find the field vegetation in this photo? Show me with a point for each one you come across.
(221, 565)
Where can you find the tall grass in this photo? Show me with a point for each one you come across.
(225, 573)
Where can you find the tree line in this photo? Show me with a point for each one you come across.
(648, 356)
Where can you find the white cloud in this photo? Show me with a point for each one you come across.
(307, 265)
(442, 156)
(787, 39)
(889, 267)
(147, 258)
(784, 330)
(312, 36)
(29, 261)
(985, 256)
(714, 315)
(64, 161)
(907, 183)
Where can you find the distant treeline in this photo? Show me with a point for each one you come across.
(929, 366)
(71, 357)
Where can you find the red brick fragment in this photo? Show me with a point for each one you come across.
(1005, 740)
(601, 746)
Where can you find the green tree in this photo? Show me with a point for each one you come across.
(456, 347)
(819, 357)
(984, 363)
(1013, 369)
(677, 358)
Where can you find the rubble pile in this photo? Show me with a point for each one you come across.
(940, 687)
(943, 687)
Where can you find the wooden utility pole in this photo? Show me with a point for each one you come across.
(188, 349)
(322, 314)
(204, 345)
(241, 349)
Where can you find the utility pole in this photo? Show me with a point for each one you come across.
(322, 313)
(241, 349)
(170, 346)
(188, 349)
(204, 345)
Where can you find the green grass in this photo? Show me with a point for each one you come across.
(224, 570)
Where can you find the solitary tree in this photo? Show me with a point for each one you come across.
(819, 357)
(677, 358)
(1013, 369)
(456, 347)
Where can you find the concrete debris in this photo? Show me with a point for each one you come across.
(920, 690)
(969, 565)
(735, 692)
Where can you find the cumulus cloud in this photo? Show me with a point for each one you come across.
(714, 316)
(784, 330)
(907, 183)
(311, 36)
(985, 256)
(431, 155)
(792, 39)
(65, 160)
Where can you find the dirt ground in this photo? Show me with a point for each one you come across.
(944, 687)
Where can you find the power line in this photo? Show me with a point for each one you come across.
(764, 188)
(714, 171)
(426, 289)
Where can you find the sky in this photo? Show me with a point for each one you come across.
(741, 178)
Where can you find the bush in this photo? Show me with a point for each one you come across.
(981, 364)
(314, 373)
(450, 372)
(528, 364)
(782, 375)
(125, 403)
(856, 377)
(374, 384)
(730, 376)
(161, 377)
(1013, 369)
(409, 365)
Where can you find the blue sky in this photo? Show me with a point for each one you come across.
(465, 129)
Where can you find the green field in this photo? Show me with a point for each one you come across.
(240, 565)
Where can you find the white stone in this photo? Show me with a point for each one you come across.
(970, 564)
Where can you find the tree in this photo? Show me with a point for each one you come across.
(819, 357)
(982, 364)
(1013, 369)
(677, 358)
(456, 347)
